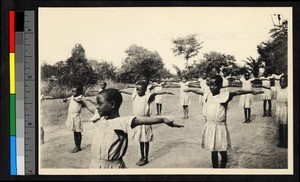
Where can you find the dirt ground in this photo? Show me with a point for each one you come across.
(254, 145)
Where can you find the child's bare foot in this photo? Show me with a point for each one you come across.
(143, 162)
(141, 159)
(75, 150)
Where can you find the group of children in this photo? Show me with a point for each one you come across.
(111, 135)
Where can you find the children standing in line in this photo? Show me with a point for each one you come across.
(73, 122)
(281, 114)
(111, 137)
(246, 100)
(184, 98)
(215, 135)
(141, 107)
(267, 95)
(158, 99)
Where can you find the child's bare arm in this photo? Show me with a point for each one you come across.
(194, 90)
(125, 92)
(242, 92)
(153, 120)
(90, 105)
(152, 96)
(262, 86)
(195, 85)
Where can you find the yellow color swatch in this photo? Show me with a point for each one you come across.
(12, 73)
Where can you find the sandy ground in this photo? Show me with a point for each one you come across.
(254, 145)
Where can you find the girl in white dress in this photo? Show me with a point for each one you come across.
(281, 116)
(110, 141)
(184, 98)
(158, 99)
(246, 100)
(267, 95)
(215, 135)
(141, 107)
(73, 122)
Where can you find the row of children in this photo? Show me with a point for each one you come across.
(215, 134)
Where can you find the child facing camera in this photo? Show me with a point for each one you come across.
(111, 137)
(215, 136)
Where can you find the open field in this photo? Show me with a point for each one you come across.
(253, 145)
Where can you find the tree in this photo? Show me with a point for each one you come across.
(188, 47)
(254, 66)
(214, 62)
(274, 52)
(103, 69)
(140, 63)
(76, 71)
(47, 71)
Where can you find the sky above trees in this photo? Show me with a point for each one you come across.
(105, 33)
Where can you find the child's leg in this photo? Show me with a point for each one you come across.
(245, 113)
(187, 112)
(270, 106)
(264, 105)
(184, 112)
(285, 136)
(77, 140)
(147, 146)
(280, 135)
(214, 159)
(42, 135)
(144, 153)
(160, 109)
(142, 146)
(157, 108)
(249, 114)
(224, 159)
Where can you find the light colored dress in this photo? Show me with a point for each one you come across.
(276, 87)
(225, 83)
(110, 142)
(96, 115)
(141, 107)
(215, 135)
(158, 98)
(281, 115)
(268, 94)
(203, 86)
(246, 100)
(184, 98)
(73, 122)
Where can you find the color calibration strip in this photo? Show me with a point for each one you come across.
(22, 93)
(12, 94)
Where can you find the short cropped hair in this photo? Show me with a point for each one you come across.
(142, 83)
(219, 80)
(112, 95)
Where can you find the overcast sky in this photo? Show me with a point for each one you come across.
(105, 33)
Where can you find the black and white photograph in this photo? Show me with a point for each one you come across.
(165, 90)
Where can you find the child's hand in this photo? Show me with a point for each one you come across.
(79, 100)
(171, 123)
(170, 93)
(255, 92)
(186, 90)
(65, 100)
